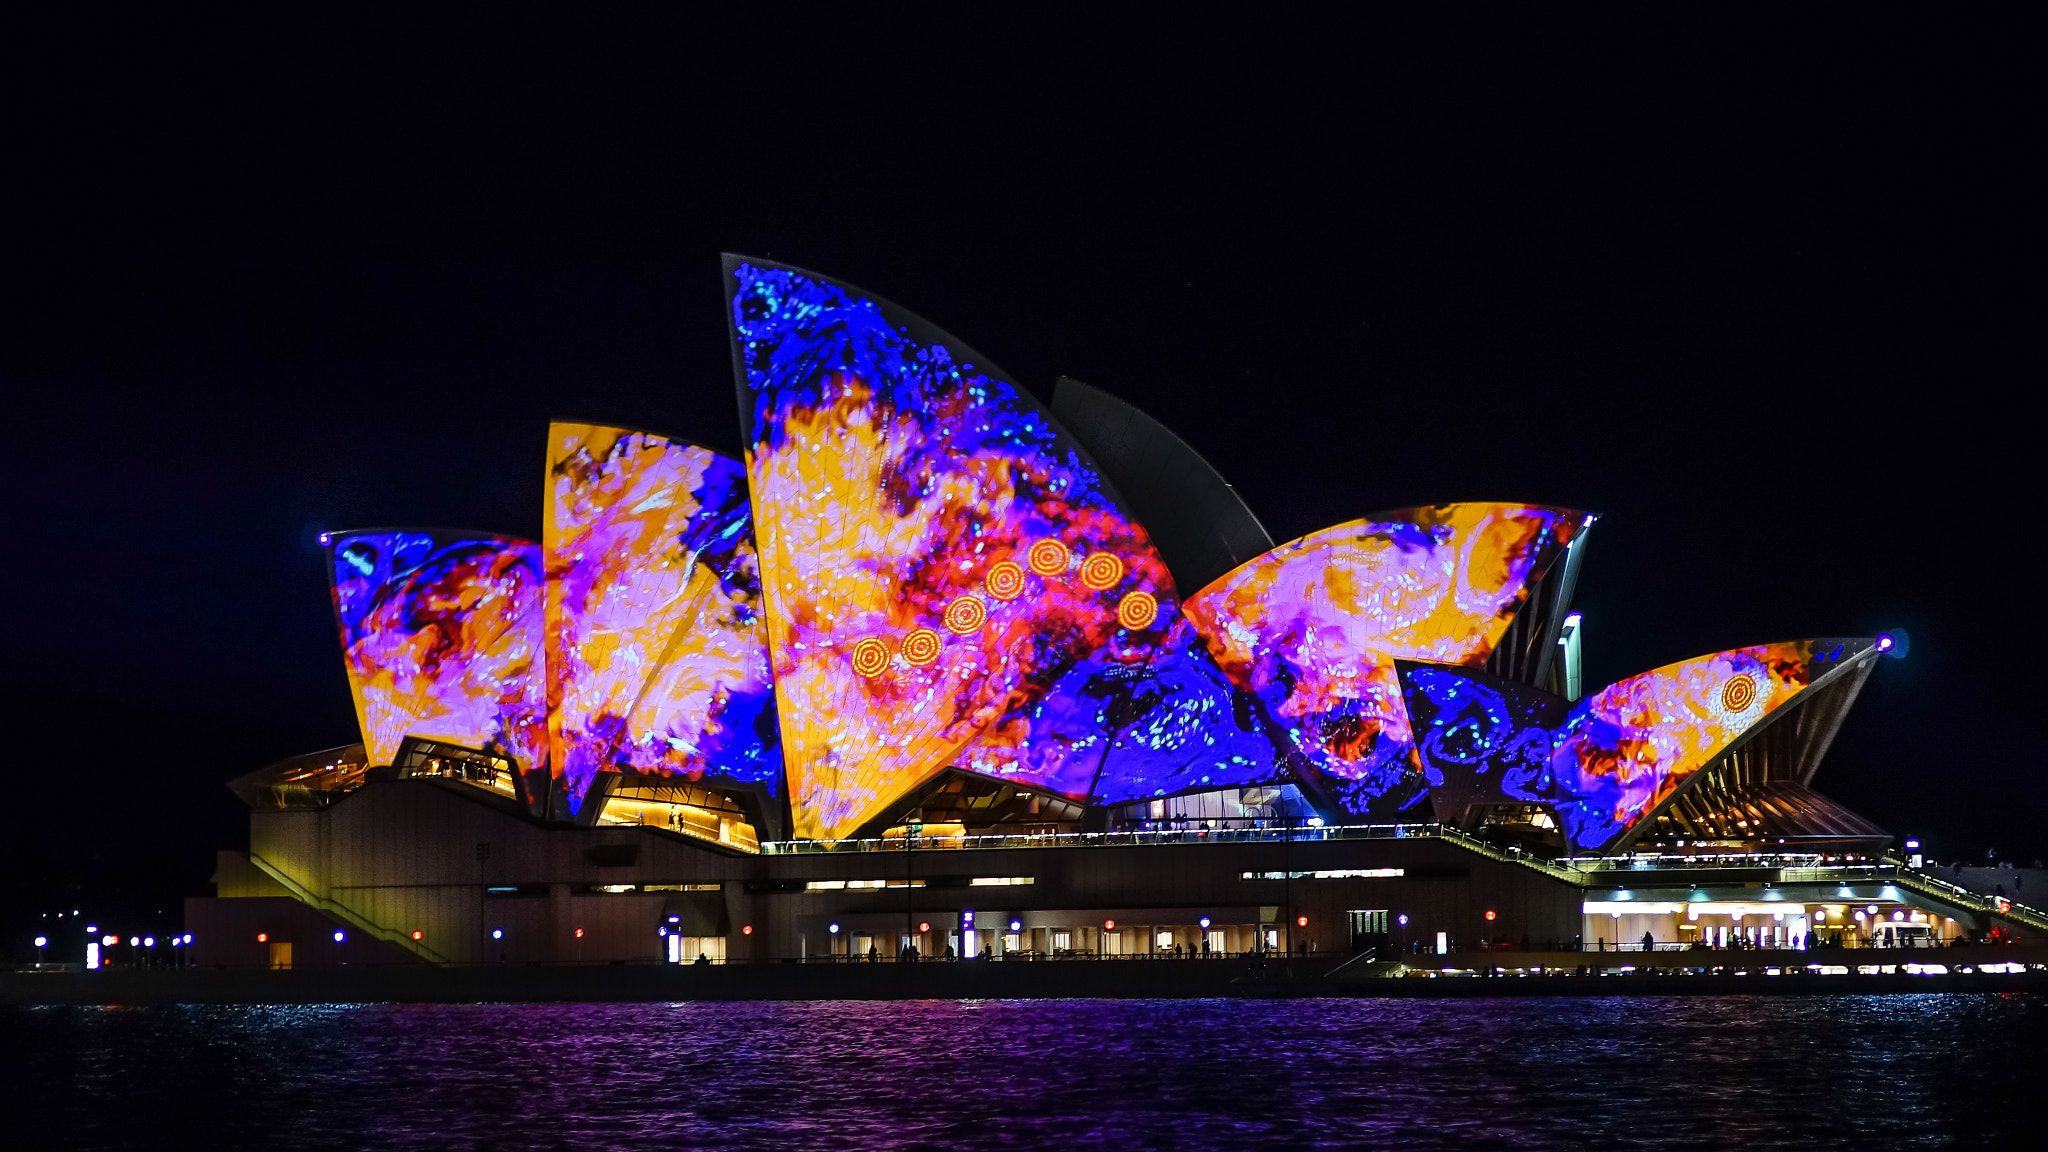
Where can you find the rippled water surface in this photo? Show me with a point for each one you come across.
(1775, 1072)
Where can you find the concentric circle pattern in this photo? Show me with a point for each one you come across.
(921, 647)
(1137, 610)
(1005, 580)
(1101, 571)
(1048, 557)
(1739, 693)
(965, 614)
(871, 656)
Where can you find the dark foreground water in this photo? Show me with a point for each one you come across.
(1858, 1073)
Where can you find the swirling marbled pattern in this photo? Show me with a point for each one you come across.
(657, 660)
(891, 469)
(1609, 760)
(441, 635)
(1313, 627)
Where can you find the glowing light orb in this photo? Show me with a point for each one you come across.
(965, 614)
(922, 646)
(1739, 693)
(1137, 611)
(871, 657)
(1101, 571)
(1048, 557)
(1005, 580)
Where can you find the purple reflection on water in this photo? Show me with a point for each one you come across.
(1723, 1072)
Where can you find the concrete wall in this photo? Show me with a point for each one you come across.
(402, 856)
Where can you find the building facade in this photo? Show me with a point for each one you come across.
(935, 669)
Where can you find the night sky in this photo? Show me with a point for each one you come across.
(1766, 299)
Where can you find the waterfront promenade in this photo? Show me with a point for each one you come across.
(1493, 973)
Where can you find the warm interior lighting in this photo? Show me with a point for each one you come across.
(694, 812)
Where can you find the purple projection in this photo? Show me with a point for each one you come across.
(1611, 760)
(1313, 628)
(657, 663)
(441, 633)
(935, 555)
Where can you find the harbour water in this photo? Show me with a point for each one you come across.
(1738, 1072)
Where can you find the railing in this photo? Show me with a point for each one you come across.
(1997, 905)
(355, 919)
(1817, 868)
(1223, 835)
(1269, 833)
(1558, 869)
(1674, 862)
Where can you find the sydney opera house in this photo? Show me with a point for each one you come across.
(937, 668)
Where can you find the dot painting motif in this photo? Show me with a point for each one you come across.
(1612, 759)
(892, 473)
(1312, 628)
(915, 568)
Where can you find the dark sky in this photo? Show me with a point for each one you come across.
(1766, 298)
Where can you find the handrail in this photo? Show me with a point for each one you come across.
(1675, 862)
(923, 843)
(1551, 868)
(1225, 835)
(355, 919)
(1995, 905)
(1366, 958)
(1815, 868)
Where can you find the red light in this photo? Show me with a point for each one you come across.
(1489, 913)
(1109, 925)
(747, 931)
(579, 934)
(922, 926)
(417, 934)
(1301, 921)
(263, 937)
